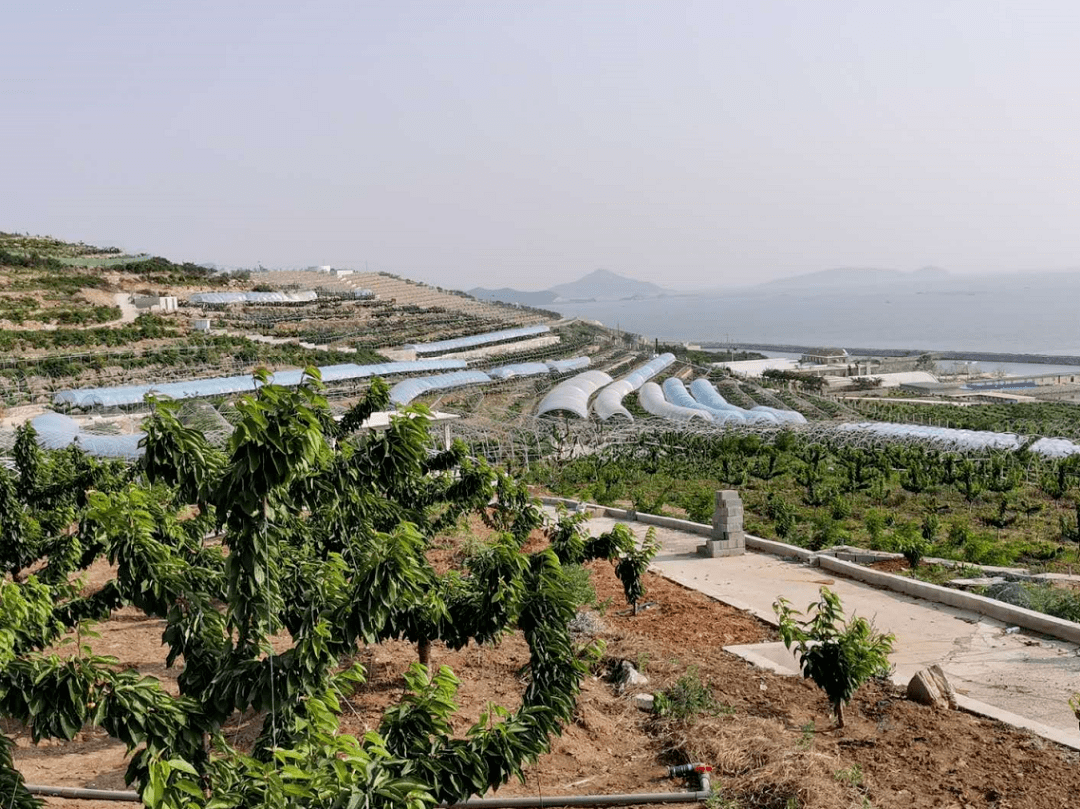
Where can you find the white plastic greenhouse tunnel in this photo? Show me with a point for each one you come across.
(572, 395)
(651, 398)
(127, 395)
(608, 401)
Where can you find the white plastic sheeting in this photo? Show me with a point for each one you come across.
(789, 416)
(222, 298)
(964, 439)
(651, 397)
(705, 393)
(961, 439)
(408, 389)
(1055, 447)
(676, 393)
(519, 369)
(233, 385)
(471, 341)
(572, 364)
(57, 431)
(609, 400)
(573, 394)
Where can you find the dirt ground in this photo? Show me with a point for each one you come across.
(771, 741)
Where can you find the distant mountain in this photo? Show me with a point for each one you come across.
(599, 285)
(858, 277)
(540, 298)
(606, 285)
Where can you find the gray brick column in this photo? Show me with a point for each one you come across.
(728, 538)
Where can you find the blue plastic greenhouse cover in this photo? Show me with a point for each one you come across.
(233, 385)
(253, 297)
(57, 431)
(478, 339)
(408, 389)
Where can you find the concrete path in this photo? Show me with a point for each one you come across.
(128, 312)
(1019, 673)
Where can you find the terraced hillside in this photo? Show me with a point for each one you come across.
(67, 319)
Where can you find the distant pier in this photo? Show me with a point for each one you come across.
(969, 356)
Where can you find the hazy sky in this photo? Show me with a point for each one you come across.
(526, 143)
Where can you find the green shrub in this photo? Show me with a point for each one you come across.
(689, 697)
(837, 653)
(579, 583)
(875, 524)
(840, 507)
(909, 541)
(1060, 603)
(826, 533)
(985, 549)
(959, 533)
(785, 515)
(931, 524)
(698, 504)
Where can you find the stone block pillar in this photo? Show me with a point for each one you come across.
(728, 538)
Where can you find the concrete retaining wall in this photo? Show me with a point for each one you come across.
(998, 610)
(781, 549)
(675, 523)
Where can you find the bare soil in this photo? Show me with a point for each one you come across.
(772, 744)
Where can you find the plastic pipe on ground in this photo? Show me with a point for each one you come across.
(486, 803)
(79, 793)
(483, 803)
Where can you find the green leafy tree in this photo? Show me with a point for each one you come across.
(910, 541)
(324, 541)
(838, 654)
(631, 568)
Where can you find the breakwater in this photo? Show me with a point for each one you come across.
(968, 356)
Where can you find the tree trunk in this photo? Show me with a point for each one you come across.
(839, 708)
(423, 649)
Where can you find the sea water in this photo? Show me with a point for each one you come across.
(1006, 317)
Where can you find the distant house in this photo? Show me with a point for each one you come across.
(825, 356)
(154, 303)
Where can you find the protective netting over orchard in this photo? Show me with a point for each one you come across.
(57, 431)
(126, 395)
(568, 437)
(962, 439)
(473, 340)
(408, 389)
(225, 298)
